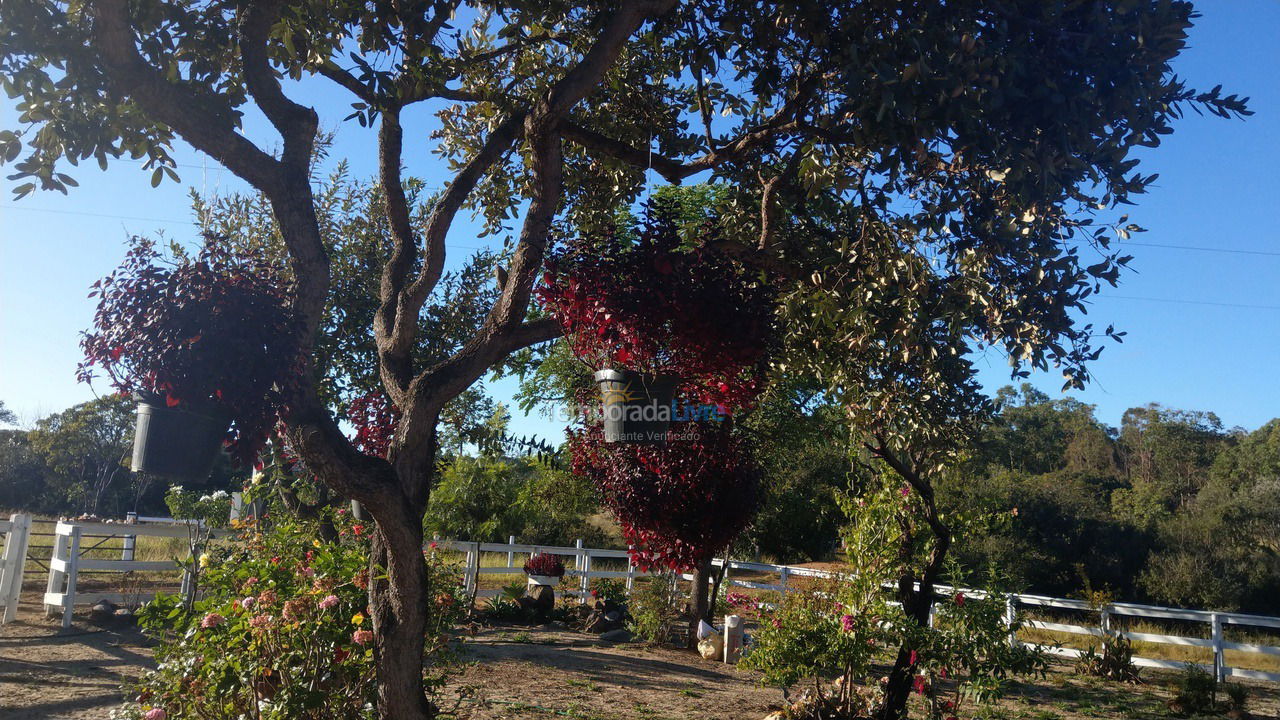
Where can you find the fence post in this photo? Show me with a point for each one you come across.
(511, 555)
(783, 576)
(128, 542)
(13, 565)
(1219, 656)
(237, 506)
(56, 576)
(69, 599)
(631, 569)
(1010, 612)
(1104, 621)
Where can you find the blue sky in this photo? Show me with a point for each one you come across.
(1203, 327)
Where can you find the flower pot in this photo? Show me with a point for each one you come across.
(176, 443)
(637, 406)
(544, 580)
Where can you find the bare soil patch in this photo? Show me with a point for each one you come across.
(47, 673)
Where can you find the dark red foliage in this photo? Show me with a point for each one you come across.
(679, 504)
(213, 333)
(374, 417)
(544, 564)
(659, 305)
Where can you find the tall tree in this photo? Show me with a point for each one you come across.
(924, 175)
(87, 447)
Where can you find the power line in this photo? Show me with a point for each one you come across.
(1203, 249)
(1192, 302)
(163, 220)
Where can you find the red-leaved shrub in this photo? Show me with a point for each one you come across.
(657, 304)
(680, 503)
(544, 564)
(213, 333)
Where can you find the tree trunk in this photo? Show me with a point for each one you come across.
(916, 604)
(398, 605)
(699, 602)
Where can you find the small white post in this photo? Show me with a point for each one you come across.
(580, 561)
(1219, 655)
(631, 570)
(56, 576)
(732, 638)
(472, 576)
(511, 555)
(783, 576)
(69, 600)
(128, 542)
(1010, 613)
(1104, 621)
(237, 506)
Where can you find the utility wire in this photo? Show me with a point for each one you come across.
(162, 220)
(1202, 249)
(1192, 302)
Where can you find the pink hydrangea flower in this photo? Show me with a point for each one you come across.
(211, 620)
(846, 622)
(248, 602)
(260, 621)
(362, 637)
(329, 602)
(155, 714)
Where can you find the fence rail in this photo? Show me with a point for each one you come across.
(1017, 604)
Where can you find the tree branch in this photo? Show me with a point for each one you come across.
(205, 121)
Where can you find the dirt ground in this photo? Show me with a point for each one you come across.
(534, 673)
(47, 673)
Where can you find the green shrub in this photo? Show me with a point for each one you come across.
(654, 607)
(1114, 663)
(1193, 691)
(282, 631)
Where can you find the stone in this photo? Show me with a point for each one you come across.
(620, 635)
(104, 610)
(539, 598)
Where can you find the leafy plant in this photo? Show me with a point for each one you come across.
(1193, 691)
(213, 333)
(282, 630)
(544, 564)
(1114, 663)
(678, 503)
(654, 606)
(1237, 697)
(647, 300)
(609, 590)
(213, 509)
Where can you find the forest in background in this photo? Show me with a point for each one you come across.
(1171, 507)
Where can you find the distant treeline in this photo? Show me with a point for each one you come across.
(1170, 508)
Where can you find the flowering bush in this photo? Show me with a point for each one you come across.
(213, 509)
(839, 627)
(212, 334)
(679, 503)
(544, 564)
(659, 305)
(282, 631)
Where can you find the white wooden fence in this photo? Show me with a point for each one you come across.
(1215, 623)
(72, 540)
(13, 562)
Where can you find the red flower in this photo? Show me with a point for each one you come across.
(357, 529)
(959, 598)
(918, 684)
